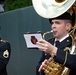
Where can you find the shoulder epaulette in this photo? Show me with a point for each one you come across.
(3, 41)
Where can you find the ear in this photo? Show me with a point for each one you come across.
(68, 26)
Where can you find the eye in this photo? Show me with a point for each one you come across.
(52, 22)
(57, 22)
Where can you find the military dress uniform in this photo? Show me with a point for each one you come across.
(60, 56)
(5, 51)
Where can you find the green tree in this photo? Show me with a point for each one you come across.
(15, 4)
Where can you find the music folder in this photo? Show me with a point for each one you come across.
(31, 38)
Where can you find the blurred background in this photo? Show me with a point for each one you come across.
(9, 5)
(16, 18)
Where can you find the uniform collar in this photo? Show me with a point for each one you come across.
(63, 38)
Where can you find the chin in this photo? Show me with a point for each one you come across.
(55, 36)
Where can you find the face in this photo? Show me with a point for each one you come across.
(61, 28)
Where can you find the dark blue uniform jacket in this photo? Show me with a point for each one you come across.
(4, 56)
(60, 56)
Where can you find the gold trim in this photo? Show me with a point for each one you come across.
(65, 58)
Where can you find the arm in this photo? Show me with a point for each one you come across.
(43, 59)
(39, 64)
(71, 59)
(4, 54)
(58, 53)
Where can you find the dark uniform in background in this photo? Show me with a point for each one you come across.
(5, 51)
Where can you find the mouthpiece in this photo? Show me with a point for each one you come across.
(48, 32)
(52, 31)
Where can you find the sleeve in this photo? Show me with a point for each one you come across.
(71, 59)
(5, 51)
(39, 63)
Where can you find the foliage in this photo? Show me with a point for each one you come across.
(15, 4)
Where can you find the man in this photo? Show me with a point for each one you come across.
(61, 26)
(5, 51)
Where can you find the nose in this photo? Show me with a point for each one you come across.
(53, 25)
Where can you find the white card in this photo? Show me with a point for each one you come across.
(31, 38)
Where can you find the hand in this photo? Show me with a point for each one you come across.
(45, 64)
(47, 47)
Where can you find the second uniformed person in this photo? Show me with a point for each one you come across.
(5, 51)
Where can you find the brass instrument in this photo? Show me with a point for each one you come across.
(51, 9)
(55, 68)
(47, 33)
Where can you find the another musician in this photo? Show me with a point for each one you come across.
(5, 51)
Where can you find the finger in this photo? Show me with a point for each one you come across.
(40, 68)
(42, 44)
(42, 47)
(43, 65)
(42, 41)
(50, 59)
